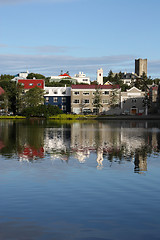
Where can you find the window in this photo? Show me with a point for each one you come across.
(55, 99)
(105, 101)
(31, 84)
(86, 100)
(55, 92)
(76, 101)
(76, 93)
(22, 84)
(63, 108)
(106, 92)
(86, 93)
(39, 84)
(100, 74)
(47, 99)
(63, 99)
(64, 92)
(47, 92)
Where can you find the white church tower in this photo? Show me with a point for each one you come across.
(100, 76)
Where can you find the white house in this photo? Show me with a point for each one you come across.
(132, 101)
(81, 78)
(21, 75)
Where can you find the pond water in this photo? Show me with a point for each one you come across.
(79, 181)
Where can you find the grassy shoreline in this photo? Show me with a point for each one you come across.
(72, 117)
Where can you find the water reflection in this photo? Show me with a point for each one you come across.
(113, 142)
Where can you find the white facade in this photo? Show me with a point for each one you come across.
(23, 75)
(100, 76)
(132, 101)
(81, 78)
(57, 91)
(57, 77)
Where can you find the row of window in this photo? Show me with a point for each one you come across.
(55, 92)
(55, 99)
(133, 100)
(88, 93)
(87, 101)
(31, 84)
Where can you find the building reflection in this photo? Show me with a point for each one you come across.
(140, 163)
(117, 141)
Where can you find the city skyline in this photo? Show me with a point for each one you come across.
(78, 35)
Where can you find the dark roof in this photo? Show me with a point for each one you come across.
(94, 86)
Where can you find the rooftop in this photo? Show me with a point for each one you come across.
(95, 86)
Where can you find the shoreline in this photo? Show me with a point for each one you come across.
(85, 117)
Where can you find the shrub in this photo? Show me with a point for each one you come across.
(41, 111)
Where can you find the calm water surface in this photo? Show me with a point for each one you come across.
(90, 181)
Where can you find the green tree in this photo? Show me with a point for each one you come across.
(34, 97)
(41, 111)
(114, 97)
(110, 75)
(35, 75)
(97, 101)
(6, 77)
(143, 82)
(19, 98)
(10, 89)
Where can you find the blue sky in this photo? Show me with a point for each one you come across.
(46, 36)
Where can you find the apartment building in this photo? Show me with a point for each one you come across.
(83, 96)
(58, 96)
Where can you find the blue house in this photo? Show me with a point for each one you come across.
(58, 96)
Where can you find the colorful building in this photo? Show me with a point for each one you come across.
(59, 96)
(31, 83)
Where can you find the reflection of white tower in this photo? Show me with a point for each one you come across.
(100, 76)
(100, 158)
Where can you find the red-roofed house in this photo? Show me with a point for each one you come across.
(31, 83)
(1, 91)
(65, 75)
(83, 96)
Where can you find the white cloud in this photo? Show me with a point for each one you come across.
(47, 49)
(6, 2)
(49, 65)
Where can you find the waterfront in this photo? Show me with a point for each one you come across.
(84, 180)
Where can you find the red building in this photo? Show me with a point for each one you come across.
(1, 91)
(31, 83)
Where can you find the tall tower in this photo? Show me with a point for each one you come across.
(140, 66)
(100, 76)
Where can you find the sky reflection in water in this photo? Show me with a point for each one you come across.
(79, 181)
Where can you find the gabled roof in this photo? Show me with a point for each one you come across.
(1, 91)
(95, 86)
(65, 75)
(134, 89)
